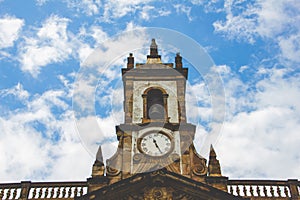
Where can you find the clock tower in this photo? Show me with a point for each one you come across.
(155, 136)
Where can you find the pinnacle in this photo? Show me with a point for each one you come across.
(99, 156)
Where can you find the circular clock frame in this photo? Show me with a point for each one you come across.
(165, 135)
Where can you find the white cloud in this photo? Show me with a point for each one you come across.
(145, 13)
(89, 7)
(103, 65)
(243, 68)
(54, 43)
(22, 151)
(10, 28)
(198, 103)
(237, 26)
(41, 2)
(98, 34)
(17, 91)
(111, 10)
(148, 12)
(84, 51)
(197, 2)
(259, 138)
(238, 97)
(38, 142)
(94, 131)
(50, 44)
(180, 8)
(277, 20)
(119, 8)
(275, 90)
(94, 32)
(4, 54)
(261, 144)
(276, 17)
(210, 110)
(290, 47)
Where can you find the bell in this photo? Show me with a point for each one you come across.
(156, 111)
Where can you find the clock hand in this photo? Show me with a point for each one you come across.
(157, 145)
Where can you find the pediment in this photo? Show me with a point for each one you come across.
(160, 184)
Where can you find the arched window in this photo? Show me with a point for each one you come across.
(155, 105)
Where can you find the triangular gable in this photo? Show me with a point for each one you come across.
(160, 184)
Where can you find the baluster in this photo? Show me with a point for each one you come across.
(238, 191)
(8, 193)
(286, 191)
(46, 192)
(265, 191)
(40, 193)
(245, 190)
(258, 191)
(230, 189)
(1, 193)
(70, 192)
(81, 191)
(76, 192)
(34, 193)
(64, 192)
(279, 191)
(52, 192)
(272, 191)
(251, 191)
(14, 194)
(58, 192)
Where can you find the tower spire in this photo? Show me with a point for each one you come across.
(153, 57)
(99, 156)
(98, 167)
(214, 168)
(153, 48)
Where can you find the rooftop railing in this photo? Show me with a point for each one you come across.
(265, 189)
(42, 190)
(253, 189)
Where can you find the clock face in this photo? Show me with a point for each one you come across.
(156, 144)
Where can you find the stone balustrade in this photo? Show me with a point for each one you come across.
(265, 189)
(42, 190)
(252, 189)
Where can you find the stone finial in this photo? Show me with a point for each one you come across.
(130, 61)
(153, 50)
(212, 152)
(214, 168)
(99, 156)
(98, 166)
(178, 61)
(153, 43)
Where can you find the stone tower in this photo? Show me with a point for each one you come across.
(155, 136)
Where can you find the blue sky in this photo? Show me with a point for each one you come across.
(45, 44)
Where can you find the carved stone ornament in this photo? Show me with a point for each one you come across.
(112, 172)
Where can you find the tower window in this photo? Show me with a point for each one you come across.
(155, 104)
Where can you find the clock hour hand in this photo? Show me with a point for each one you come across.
(157, 145)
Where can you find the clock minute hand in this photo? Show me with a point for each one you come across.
(157, 145)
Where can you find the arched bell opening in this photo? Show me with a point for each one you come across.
(155, 105)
